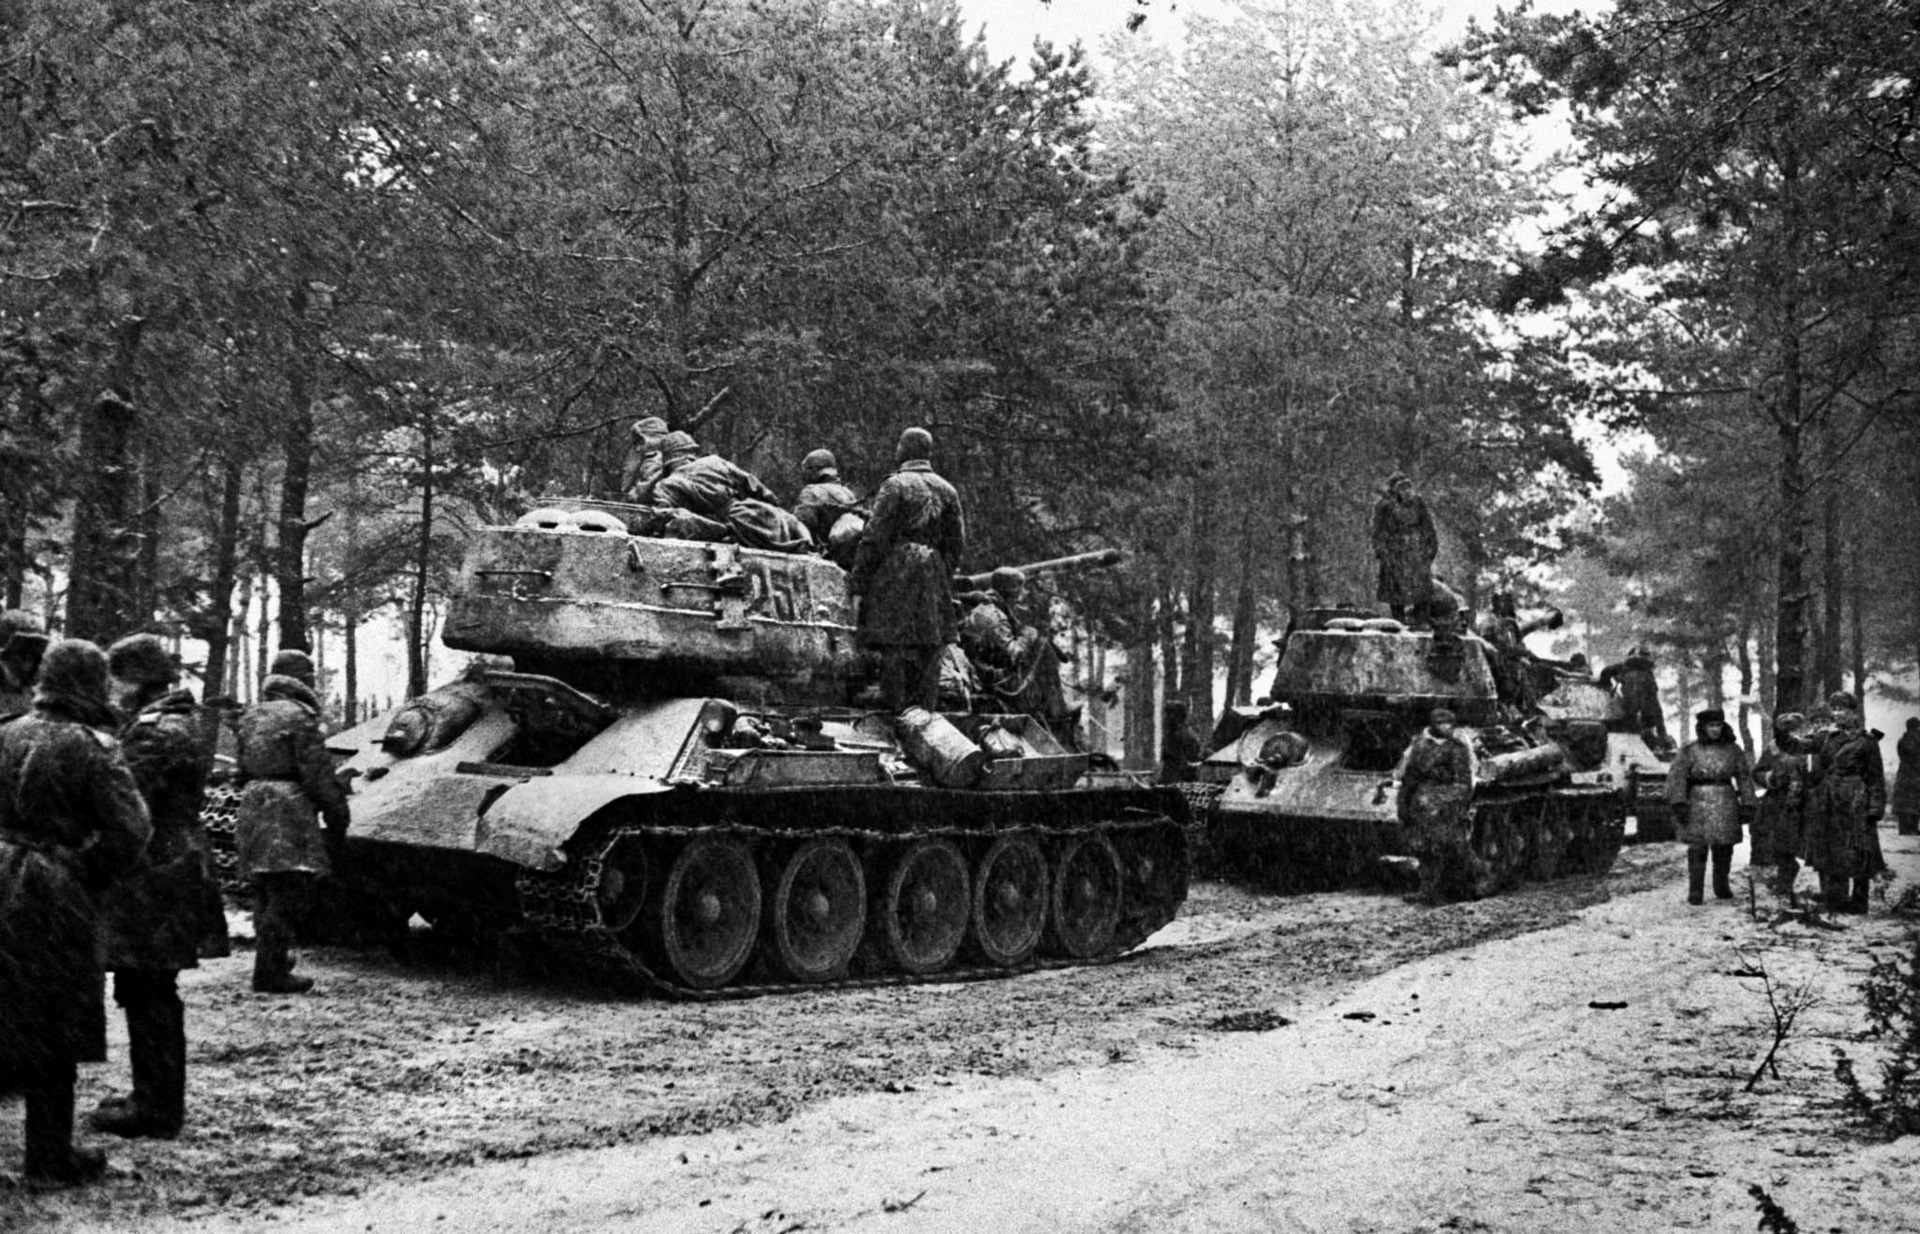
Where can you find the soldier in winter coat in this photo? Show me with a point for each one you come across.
(1017, 664)
(1180, 751)
(1436, 787)
(22, 640)
(902, 573)
(1639, 696)
(1405, 544)
(71, 822)
(1905, 803)
(1710, 788)
(1843, 812)
(705, 497)
(288, 775)
(829, 509)
(161, 918)
(643, 467)
(1788, 769)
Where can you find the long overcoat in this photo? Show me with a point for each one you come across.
(1843, 811)
(908, 553)
(1788, 769)
(1435, 787)
(1906, 780)
(165, 914)
(1405, 542)
(71, 821)
(289, 775)
(1714, 781)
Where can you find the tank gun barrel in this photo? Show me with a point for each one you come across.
(1053, 565)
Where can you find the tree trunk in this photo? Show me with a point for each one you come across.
(350, 605)
(417, 604)
(290, 572)
(1790, 628)
(145, 600)
(216, 623)
(1832, 571)
(1857, 594)
(101, 565)
(1197, 674)
(1745, 659)
(1142, 734)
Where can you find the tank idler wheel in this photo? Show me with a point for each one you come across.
(816, 911)
(1156, 863)
(921, 915)
(1083, 907)
(622, 890)
(704, 916)
(1010, 900)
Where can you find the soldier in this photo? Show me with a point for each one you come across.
(1639, 696)
(1405, 543)
(1710, 788)
(1788, 769)
(1435, 789)
(1180, 751)
(157, 919)
(71, 821)
(705, 497)
(829, 509)
(1843, 814)
(1020, 666)
(22, 640)
(1906, 781)
(643, 465)
(288, 775)
(908, 554)
(1515, 669)
(1282, 748)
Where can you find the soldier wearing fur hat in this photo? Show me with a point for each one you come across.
(1405, 544)
(1843, 812)
(71, 823)
(829, 509)
(1436, 788)
(902, 573)
(1787, 769)
(288, 776)
(1710, 788)
(162, 918)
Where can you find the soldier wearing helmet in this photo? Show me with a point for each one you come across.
(1639, 693)
(643, 466)
(706, 497)
(829, 509)
(289, 777)
(902, 570)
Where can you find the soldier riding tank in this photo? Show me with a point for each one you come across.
(1360, 687)
(668, 784)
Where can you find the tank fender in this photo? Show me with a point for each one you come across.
(528, 823)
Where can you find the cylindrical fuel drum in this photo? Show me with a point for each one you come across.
(936, 747)
(1519, 764)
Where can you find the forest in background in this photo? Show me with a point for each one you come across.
(293, 296)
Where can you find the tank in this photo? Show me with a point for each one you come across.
(656, 774)
(1603, 747)
(1360, 688)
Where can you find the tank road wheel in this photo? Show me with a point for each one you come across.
(1599, 833)
(1083, 908)
(1552, 844)
(922, 911)
(816, 911)
(1010, 900)
(1156, 863)
(702, 920)
(1496, 842)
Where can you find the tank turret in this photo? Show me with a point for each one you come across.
(655, 774)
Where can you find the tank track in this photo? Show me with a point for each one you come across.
(1535, 839)
(567, 908)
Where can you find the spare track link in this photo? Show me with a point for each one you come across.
(564, 908)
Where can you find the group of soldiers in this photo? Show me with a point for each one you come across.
(105, 866)
(936, 649)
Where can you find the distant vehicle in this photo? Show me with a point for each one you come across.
(1360, 688)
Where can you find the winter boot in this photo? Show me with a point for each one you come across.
(1862, 890)
(1833, 893)
(1696, 873)
(1722, 865)
(51, 1159)
(157, 1044)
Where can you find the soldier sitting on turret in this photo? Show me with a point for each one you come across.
(829, 509)
(1516, 670)
(705, 497)
(1018, 665)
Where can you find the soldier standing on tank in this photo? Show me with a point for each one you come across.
(1710, 788)
(1788, 769)
(828, 508)
(1905, 804)
(1843, 815)
(1639, 696)
(1405, 544)
(157, 918)
(1180, 751)
(71, 821)
(643, 466)
(1436, 788)
(903, 573)
(288, 775)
